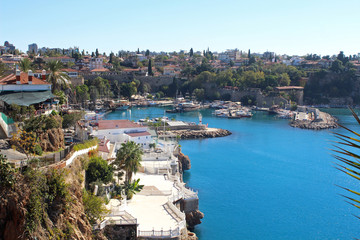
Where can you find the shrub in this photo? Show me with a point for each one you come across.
(7, 173)
(99, 170)
(94, 207)
(86, 144)
(69, 120)
(38, 150)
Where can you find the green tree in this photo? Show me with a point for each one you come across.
(150, 72)
(82, 94)
(147, 53)
(94, 207)
(97, 53)
(337, 66)
(99, 169)
(7, 173)
(94, 94)
(191, 52)
(128, 158)
(133, 188)
(25, 65)
(56, 76)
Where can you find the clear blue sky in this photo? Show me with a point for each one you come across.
(283, 26)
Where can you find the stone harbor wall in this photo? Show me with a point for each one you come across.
(193, 134)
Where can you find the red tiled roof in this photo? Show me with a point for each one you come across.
(103, 146)
(24, 79)
(69, 70)
(117, 124)
(100, 70)
(138, 134)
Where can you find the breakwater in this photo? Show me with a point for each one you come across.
(196, 134)
(324, 121)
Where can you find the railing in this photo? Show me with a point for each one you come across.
(179, 216)
(125, 219)
(160, 234)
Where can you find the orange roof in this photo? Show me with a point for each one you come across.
(100, 70)
(103, 146)
(68, 70)
(24, 79)
(138, 134)
(117, 124)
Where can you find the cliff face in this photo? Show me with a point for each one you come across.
(194, 218)
(13, 211)
(184, 162)
(61, 219)
(52, 140)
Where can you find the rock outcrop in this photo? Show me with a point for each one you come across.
(13, 211)
(194, 218)
(325, 121)
(184, 162)
(194, 134)
(52, 140)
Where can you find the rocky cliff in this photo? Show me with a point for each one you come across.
(184, 162)
(20, 217)
(194, 218)
(52, 140)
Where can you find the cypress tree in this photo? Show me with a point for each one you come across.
(97, 52)
(150, 68)
(191, 52)
(249, 55)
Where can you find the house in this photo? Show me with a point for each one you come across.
(142, 138)
(104, 148)
(24, 89)
(171, 70)
(119, 130)
(96, 63)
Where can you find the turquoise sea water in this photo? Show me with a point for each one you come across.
(267, 180)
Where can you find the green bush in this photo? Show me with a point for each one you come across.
(69, 120)
(99, 170)
(86, 144)
(94, 207)
(7, 173)
(38, 150)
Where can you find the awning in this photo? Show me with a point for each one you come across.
(26, 98)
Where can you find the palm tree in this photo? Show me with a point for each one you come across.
(57, 77)
(25, 65)
(350, 160)
(128, 158)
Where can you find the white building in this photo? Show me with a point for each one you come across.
(96, 63)
(121, 131)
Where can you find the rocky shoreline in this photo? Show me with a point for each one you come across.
(325, 121)
(194, 217)
(195, 134)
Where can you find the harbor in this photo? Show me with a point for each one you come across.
(263, 173)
